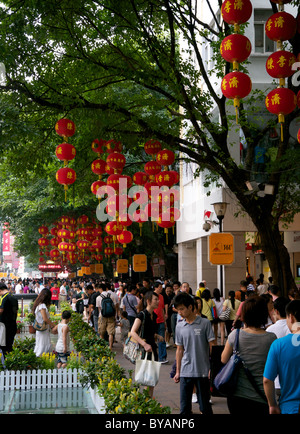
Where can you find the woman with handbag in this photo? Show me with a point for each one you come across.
(149, 336)
(253, 346)
(233, 304)
(42, 318)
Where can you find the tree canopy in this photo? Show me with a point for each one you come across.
(130, 70)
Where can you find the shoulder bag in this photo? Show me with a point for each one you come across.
(132, 350)
(40, 327)
(226, 380)
(225, 314)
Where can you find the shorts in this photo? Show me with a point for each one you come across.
(107, 325)
(62, 357)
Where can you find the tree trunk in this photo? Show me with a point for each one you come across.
(276, 253)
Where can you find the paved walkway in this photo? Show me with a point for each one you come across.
(167, 391)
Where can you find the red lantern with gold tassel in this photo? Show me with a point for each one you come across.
(166, 221)
(98, 145)
(281, 102)
(66, 176)
(236, 11)
(113, 146)
(65, 152)
(152, 147)
(235, 49)
(65, 127)
(96, 185)
(125, 238)
(165, 157)
(140, 178)
(281, 27)
(279, 64)
(236, 85)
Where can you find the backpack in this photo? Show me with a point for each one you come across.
(107, 306)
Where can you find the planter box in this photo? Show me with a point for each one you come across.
(39, 379)
(98, 401)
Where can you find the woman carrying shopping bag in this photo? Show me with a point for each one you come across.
(147, 341)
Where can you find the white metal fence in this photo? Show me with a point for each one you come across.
(39, 379)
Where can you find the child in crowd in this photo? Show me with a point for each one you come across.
(63, 342)
(125, 326)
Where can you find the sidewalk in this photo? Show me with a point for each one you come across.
(167, 391)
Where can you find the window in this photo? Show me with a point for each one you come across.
(262, 43)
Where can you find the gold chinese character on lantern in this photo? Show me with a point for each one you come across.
(233, 82)
(238, 4)
(281, 61)
(227, 7)
(275, 99)
(228, 45)
(270, 64)
(269, 24)
(279, 22)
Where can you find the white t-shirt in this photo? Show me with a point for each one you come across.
(60, 343)
(18, 288)
(63, 290)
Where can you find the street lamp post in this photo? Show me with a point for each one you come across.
(220, 210)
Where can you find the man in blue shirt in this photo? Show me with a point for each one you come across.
(284, 360)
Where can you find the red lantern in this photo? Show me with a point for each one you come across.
(166, 221)
(115, 160)
(113, 228)
(108, 251)
(97, 244)
(165, 157)
(43, 230)
(235, 48)
(98, 258)
(54, 254)
(165, 177)
(140, 217)
(63, 233)
(113, 146)
(125, 220)
(281, 26)
(108, 239)
(125, 238)
(140, 178)
(53, 231)
(63, 247)
(66, 176)
(97, 146)
(96, 185)
(118, 182)
(281, 102)
(65, 152)
(152, 147)
(82, 244)
(151, 187)
(279, 64)
(117, 204)
(236, 85)
(83, 220)
(97, 232)
(64, 220)
(98, 167)
(65, 127)
(54, 242)
(236, 11)
(118, 250)
(152, 168)
(43, 242)
(175, 176)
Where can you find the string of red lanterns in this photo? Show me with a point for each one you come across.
(280, 27)
(65, 152)
(236, 48)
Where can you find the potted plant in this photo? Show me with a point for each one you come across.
(20, 325)
(29, 319)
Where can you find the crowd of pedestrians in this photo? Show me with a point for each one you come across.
(193, 322)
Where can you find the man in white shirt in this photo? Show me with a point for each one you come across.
(107, 324)
(280, 327)
(19, 287)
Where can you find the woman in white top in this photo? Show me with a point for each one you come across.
(40, 309)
